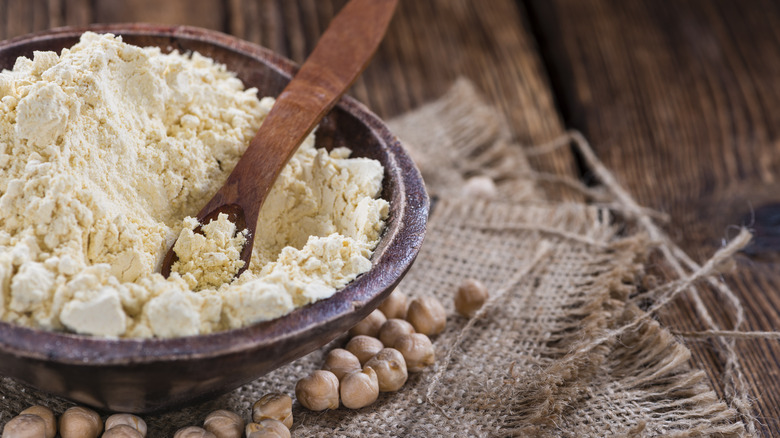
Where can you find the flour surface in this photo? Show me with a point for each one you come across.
(106, 148)
(211, 257)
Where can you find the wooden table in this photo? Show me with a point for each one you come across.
(681, 99)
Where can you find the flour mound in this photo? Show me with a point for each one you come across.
(106, 148)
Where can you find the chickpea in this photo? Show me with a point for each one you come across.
(340, 361)
(122, 431)
(364, 347)
(427, 316)
(395, 305)
(392, 330)
(369, 326)
(78, 422)
(275, 406)
(359, 388)
(417, 350)
(193, 432)
(390, 367)
(268, 428)
(470, 297)
(481, 187)
(48, 417)
(133, 421)
(319, 391)
(224, 424)
(25, 426)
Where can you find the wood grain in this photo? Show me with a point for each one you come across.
(19, 17)
(23, 16)
(203, 13)
(681, 100)
(70, 13)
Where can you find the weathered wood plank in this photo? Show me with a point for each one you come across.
(681, 100)
(75, 13)
(203, 13)
(19, 17)
(23, 16)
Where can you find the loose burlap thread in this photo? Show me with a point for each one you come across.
(560, 349)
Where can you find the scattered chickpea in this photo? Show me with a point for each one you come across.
(340, 361)
(25, 426)
(481, 187)
(395, 305)
(268, 428)
(319, 391)
(427, 316)
(359, 388)
(470, 297)
(131, 420)
(79, 422)
(193, 432)
(252, 428)
(364, 347)
(390, 367)
(275, 406)
(48, 417)
(392, 330)
(224, 424)
(369, 326)
(417, 350)
(122, 431)
(386, 369)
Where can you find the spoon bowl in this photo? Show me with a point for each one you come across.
(147, 375)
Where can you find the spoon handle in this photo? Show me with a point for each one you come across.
(341, 54)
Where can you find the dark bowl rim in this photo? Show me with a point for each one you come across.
(63, 347)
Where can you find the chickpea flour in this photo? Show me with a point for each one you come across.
(107, 148)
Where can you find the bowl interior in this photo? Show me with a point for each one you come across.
(143, 375)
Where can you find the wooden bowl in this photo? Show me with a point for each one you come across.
(147, 375)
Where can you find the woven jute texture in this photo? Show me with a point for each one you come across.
(560, 349)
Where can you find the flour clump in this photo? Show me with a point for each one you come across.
(107, 148)
(211, 257)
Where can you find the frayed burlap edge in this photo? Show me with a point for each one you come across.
(689, 275)
(688, 272)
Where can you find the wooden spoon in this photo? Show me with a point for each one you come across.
(341, 54)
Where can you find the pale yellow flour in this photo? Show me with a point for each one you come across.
(212, 257)
(106, 148)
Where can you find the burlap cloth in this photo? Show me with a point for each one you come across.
(561, 348)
